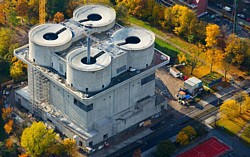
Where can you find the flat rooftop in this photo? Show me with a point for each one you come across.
(54, 76)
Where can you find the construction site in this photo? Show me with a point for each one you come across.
(89, 77)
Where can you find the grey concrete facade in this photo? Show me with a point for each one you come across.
(90, 101)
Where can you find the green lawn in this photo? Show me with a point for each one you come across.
(167, 49)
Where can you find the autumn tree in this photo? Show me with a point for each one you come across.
(18, 69)
(6, 113)
(58, 17)
(229, 109)
(182, 138)
(236, 49)
(165, 148)
(182, 57)
(9, 143)
(137, 153)
(226, 68)
(5, 40)
(23, 155)
(8, 126)
(190, 131)
(69, 146)
(121, 12)
(194, 59)
(37, 139)
(212, 33)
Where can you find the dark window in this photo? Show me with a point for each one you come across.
(91, 144)
(105, 136)
(80, 143)
(34, 60)
(84, 107)
(122, 68)
(146, 65)
(75, 101)
(52, 64)
(102, 86)
(87, 90)
(71, 85)
(147, 79)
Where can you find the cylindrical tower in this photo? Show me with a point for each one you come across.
(97, 17)
(47, 38)
(88, 77)
(139, 43)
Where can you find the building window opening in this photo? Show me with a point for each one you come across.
(146, 65)
(91, 144)
(105, 136)
(52, 64)
(75, 101)
(102, 86)
(80, 143)
(34, 60)
(87, 90)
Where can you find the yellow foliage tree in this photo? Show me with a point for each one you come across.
(69, 146)
(18, 69)
(8, 126)
(36, 139)
(236, 49)
(58, 17)
(190, 131)
(230, 109)
(182, 138)
(6, 112)
(212, 33)
(182, 58)
(214, 56)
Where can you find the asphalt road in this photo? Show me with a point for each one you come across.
(163, 132)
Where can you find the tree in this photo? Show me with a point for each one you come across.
(212, 34)
(236, 49)
(182, 58)
(194, 58)
(36, 139)
(165, 148)
(69, 146)
(121, 12)
(226, 67)
(5, 40)
(8, 126)
(214, 56)
(18, 69)
(190, 131)
(58, 17)
(182, 138)
(23, 155)
(6, 112)
(230, 109)
(9, 143)
(22, 8)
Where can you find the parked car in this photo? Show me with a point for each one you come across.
(241, 15)
(227, 8)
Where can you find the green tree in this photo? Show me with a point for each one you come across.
(37, 139)
(121, 12)
(165, 148)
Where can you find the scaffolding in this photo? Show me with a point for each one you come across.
(38, 89)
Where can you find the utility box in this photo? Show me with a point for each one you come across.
(176, 73)
(193, 85)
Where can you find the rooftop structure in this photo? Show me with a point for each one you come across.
(89, 76)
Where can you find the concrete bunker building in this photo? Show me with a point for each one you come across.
(90, 77)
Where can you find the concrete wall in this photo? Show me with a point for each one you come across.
(119, 62)
(140, 59)
(58, 64)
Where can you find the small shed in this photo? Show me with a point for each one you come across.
(193, 85)
(212, 79)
